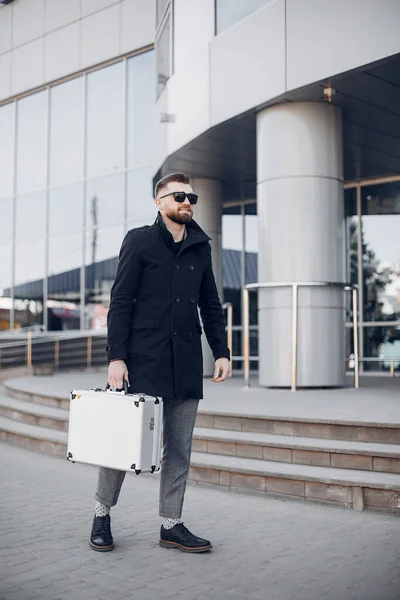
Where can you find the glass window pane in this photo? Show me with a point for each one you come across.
(351, 241)
(251, 209)
(66, 133)
(65, 253)
(65, 260)
(6, 216)
(105, 120)
(161, 4)
(251, 231)
(141, 101)
(381, 252)
(229, 12)
(100, 272)
(66, 209)
(106, 244)
(5, 270)
(29, 261)
(31, 143)
(105, 202)
(382, 342)
(351, 225)
(7, 125)
(31, 216)
(232, 237)
(231, 210)
(163, 45)
(349, 348)
(142, 208)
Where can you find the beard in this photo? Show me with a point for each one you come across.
(181, 217)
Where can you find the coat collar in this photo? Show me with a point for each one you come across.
(194, 233)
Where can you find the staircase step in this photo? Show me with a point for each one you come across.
(33, 437)
(370, 456)
(15, 390)
(386, 433)
(34, 414)
(293, 471)
(344, 487)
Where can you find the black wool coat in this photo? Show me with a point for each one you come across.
(153, 320)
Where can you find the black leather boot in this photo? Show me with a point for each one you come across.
(180, 537)
(101, 538)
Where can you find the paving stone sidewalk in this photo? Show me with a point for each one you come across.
(264, 548)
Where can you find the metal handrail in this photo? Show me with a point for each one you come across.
(46, 337)
(347, 287)
(229, 327)
(47, 347)
(390, 360)
(56, 352)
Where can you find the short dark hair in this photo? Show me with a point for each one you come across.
(179, 177)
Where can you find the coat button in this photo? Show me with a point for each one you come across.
(192, 300)
(175, 333)
(177, 299)
(190, 333)
(176, 267)
(191, 268)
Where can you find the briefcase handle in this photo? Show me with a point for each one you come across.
(125, 390)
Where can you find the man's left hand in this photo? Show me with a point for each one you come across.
(222, 370)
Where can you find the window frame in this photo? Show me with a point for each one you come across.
(168, 15)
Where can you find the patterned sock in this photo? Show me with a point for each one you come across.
(101, 510)
(168, 523)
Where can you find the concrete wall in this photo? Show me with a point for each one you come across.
(43, 40)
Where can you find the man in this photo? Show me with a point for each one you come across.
(154, 342)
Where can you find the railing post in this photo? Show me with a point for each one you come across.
(29, 349)
(89, 351)
(294, 335)
(230, 333)
(392, 368)
(355, 341)
(246, 336)
(57, 354)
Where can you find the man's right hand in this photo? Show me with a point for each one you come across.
(117, 372)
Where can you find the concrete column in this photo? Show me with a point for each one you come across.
(301, 238)
(208, 214)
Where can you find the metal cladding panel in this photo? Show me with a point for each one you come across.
(329, 37)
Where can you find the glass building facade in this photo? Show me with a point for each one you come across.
(372, 226)
(76, 176)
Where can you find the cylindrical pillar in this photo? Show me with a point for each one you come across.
(208, 214)
(300, 216)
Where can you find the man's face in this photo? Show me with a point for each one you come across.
(178, 212)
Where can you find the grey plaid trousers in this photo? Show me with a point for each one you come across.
(179, 417)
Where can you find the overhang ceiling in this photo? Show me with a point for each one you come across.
(370, 100)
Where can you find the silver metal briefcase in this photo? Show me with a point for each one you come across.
(115, 430)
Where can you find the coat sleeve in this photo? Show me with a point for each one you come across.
(123, 292)
(212, 314)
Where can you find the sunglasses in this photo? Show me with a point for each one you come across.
(181, 197)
